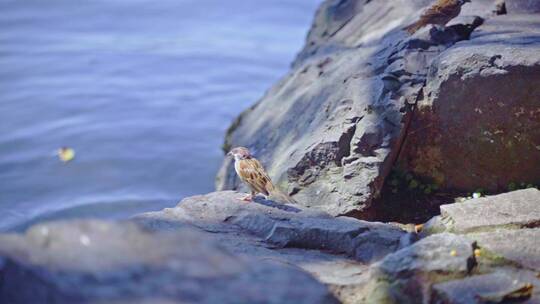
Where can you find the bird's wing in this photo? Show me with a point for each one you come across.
(447, 8)
(252, 172)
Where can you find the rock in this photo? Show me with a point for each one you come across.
(503, 229)
(407, 275)
(102, 262)
(515, 209)
(443, 252)
(522, 6)
(330, 131)
(478, 121)
(519, 246)
(283, 226)
(334, 250)
(362, 98)
(346, 108)
(218, 248)
(491, 288)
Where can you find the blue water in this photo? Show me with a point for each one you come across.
(143, 91)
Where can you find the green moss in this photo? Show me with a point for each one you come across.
(492, 259)
(406, 182)
(517, 186)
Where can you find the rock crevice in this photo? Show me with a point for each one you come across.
(363, 97)
(216, 247)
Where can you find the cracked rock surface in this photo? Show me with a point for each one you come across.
(504, 229)
(216, 248)
(327, 129)
(478, 121)
(362, 96)
(336, 251)
(370, 262)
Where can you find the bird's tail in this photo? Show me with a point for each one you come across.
(411, 29)
(280, 196)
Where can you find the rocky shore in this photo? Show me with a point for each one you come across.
(369, 122)
(216, 248)
(456, 109)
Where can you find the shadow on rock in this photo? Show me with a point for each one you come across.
(272, 204)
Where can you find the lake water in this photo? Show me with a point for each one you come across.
(143, 91)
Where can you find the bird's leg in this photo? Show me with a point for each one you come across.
(249, 197)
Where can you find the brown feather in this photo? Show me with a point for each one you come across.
(439, 14)
(253, 174)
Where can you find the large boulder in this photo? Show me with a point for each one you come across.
(478, 123)
(331, 130)
(320, 131)
(103, 262)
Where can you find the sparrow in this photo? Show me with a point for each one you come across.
(251, 172)
(439, 14)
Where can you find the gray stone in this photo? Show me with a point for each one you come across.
(435, 225)
(523, 6)
(461, 137)
(103, 262)
(334, 250)
(520, 246)
(284, 226)
(407, 275)
(441, 253)
(509, 210)
(494, 288)
(329, 132)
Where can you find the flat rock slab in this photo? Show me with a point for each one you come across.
(103, 262)
(283, 226)
(491, 288)
(521, 246)
(509, 210)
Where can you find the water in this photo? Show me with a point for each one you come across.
(142, 90)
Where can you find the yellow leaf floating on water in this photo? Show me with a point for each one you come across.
(66, 154)
(453, 253)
